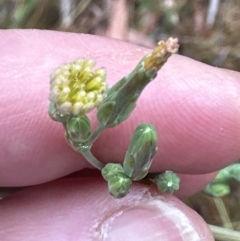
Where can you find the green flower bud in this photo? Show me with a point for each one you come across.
(142, 148)
(122, 97)
(217, 189)
(79, 128)
(167, 182)
(120, 102)
(110, 170)
(119, 185)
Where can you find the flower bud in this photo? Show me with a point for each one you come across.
(79, 128)
(167, 182)
(119, 185)
(120, 102)
(142, 148)
(111, 169)
(122, 97)
(161, 53)
(118, 182)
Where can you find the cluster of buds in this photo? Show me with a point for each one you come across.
(118, 182)
(137, 161)
(76, 89)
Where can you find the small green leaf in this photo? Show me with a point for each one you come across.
(104, 112)
(217, 189)
(113, 90)
(235, 171)
(127, 110)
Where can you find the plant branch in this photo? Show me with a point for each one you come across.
(224, 234)
(92, 159)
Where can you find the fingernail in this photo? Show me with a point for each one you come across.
(151, 220)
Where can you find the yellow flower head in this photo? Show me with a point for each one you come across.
(161, 53)
(76, 89)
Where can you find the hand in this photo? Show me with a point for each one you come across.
(195, 108)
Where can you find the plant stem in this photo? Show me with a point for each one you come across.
(223, 212)
(87, 152)
(95, 135)
(224, 234)
(92, 159)
(85, 148)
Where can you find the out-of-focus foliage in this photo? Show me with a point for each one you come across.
(207, 32)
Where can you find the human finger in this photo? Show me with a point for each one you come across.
(81, 209)
(194, 107)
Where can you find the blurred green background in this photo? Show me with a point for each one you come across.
(208, 31)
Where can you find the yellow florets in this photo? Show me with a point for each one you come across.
(161, 53)
(76, 89)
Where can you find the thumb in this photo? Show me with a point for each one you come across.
(82, 209)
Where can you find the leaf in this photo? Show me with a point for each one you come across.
(105, 111)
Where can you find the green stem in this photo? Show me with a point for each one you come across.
(224, 234)
(223, 212)
(84, 148)
(95, 135)
(92, 159)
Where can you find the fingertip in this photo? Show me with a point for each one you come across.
(85, 202)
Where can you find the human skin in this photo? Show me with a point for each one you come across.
(195, 108)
